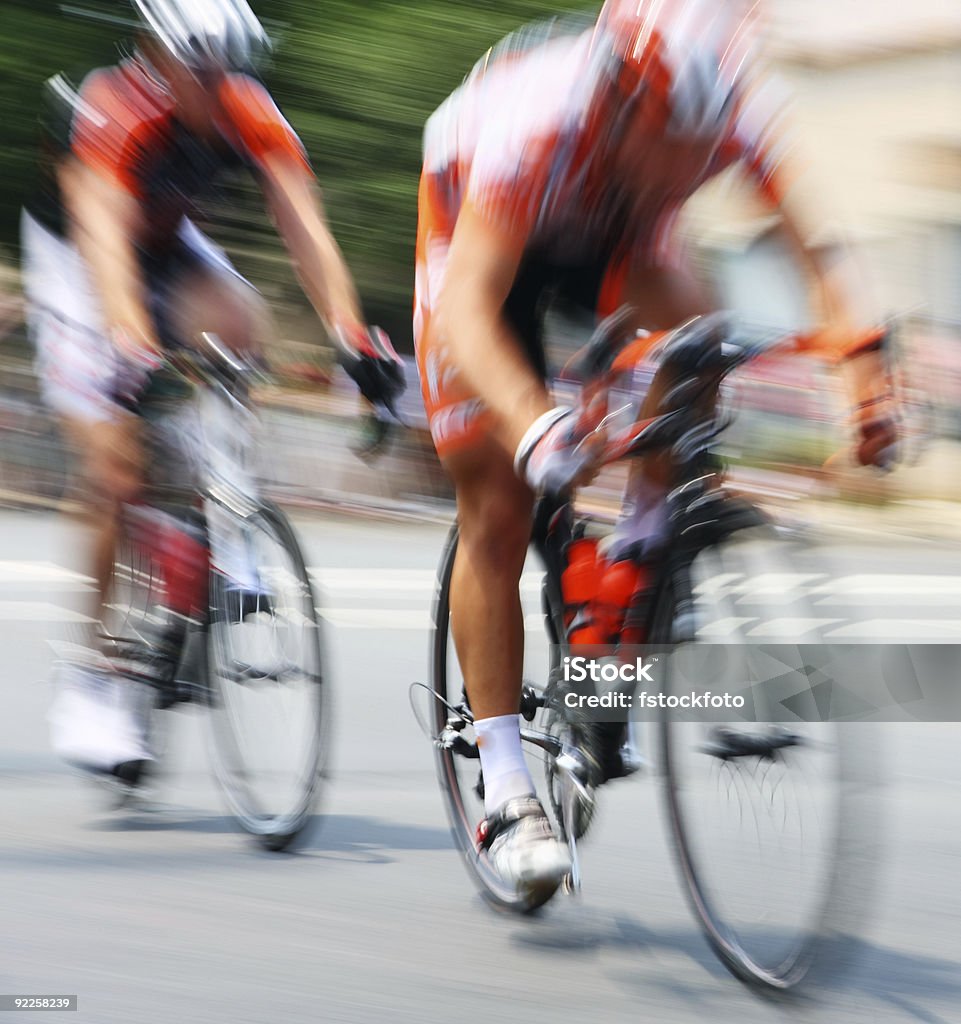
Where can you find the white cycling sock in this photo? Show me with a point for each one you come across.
(98, 720)
(502, 760)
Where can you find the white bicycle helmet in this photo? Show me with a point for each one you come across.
(221, 34)
(691, 54)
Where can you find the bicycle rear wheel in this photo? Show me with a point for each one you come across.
(267, 694)
(772, 822)
(457, 759)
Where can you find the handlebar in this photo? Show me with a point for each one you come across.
(212, 362)
(695, 358)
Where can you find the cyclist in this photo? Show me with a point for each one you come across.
(116, 270)
(559, 168)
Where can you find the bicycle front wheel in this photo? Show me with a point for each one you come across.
(267, 693)
(772, 819)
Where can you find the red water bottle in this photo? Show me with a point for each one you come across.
(619, 582)
(579, 584)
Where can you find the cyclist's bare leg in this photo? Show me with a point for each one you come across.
(110, 453)
(494, 510)
(494, 513)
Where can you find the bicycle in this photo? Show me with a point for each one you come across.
(714, 540)
(210, 601)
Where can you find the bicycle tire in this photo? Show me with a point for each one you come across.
(275, 821)
(456, 760)
(845, 883)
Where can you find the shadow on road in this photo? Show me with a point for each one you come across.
(854, 970)
(360, 837)
(372, 838)
(164, 821)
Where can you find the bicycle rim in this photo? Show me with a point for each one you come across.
(456, 759)
(267, 695)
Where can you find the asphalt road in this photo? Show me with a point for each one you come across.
(173, 916)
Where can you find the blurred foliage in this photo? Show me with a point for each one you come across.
(356, 79)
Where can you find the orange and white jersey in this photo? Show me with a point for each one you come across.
(526, 143)
(529, 142)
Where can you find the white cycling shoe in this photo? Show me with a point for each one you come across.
(99, 721)
(522, 848)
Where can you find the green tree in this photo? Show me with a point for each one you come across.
(357, 81)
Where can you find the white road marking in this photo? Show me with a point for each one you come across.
(45, 575)
(38, 611)
(412, 580)
(900, 584)
(348, 596)
(373, 579)
(897, 630)
(399, 618)
(777, 583)
(730, 626)
(377, 618)
(788, 629)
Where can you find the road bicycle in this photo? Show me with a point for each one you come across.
(771, 821)
(210, 601)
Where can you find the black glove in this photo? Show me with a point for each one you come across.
(370, 361)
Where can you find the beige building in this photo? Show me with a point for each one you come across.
(876, 97)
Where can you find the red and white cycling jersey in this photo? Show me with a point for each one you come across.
(526, 144)
(520, 141)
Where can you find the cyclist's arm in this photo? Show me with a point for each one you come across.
(293, 200)
(840, 294)
(481, 267)
(786, 179)
(105, 220)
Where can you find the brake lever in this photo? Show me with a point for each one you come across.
(609, 337)
(376, 430)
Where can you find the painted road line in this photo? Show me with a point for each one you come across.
(38, 611)
(405, 580)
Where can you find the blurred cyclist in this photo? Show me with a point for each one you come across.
(116, 271)
(558, 169)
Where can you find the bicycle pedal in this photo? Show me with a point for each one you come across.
(452, 740)
(531, 701)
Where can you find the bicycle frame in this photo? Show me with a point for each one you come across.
(699, 514)
(200, 484)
